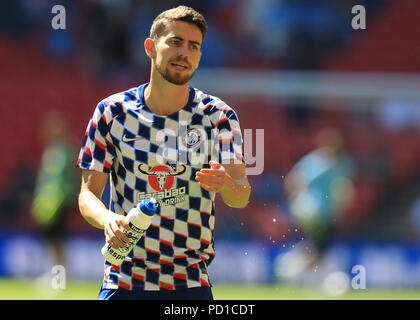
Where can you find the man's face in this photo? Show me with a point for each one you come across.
(177, 52)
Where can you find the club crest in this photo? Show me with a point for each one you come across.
(192, 137)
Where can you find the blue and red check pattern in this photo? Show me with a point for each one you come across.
(122, 135)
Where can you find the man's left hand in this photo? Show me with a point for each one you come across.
(212, 179)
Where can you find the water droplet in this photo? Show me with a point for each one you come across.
(246, 253)
(274, 219)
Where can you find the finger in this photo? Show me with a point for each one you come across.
(214, 164)
(207, 176)
(124, 223)
(118, 242)
(211, 172)
(208, 179)
(207, 187)
(115, 242)
(112, 243)
(113, 227)
(117, 235)
(214, 186)
(213, 177)
(122, 237)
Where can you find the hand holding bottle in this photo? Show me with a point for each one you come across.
(119, 241)
(115, 226)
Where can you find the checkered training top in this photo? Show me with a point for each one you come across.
(148, 155)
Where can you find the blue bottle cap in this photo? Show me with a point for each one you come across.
(148, 206)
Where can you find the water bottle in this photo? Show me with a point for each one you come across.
(139, 219)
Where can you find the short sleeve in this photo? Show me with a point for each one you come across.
(229, 137)
(97, 151)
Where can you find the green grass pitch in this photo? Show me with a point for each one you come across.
(11, 289)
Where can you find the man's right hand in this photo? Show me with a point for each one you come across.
(114, 227)
(95, 212)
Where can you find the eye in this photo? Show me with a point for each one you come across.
(174, 41)
(194, 47)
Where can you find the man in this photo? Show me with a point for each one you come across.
(319, 188)
(149, 139)
(55, 192)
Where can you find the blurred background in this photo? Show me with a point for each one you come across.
(340, 109)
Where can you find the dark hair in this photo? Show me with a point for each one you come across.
(180, 13)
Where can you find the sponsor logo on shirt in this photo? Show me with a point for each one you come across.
(162, 179)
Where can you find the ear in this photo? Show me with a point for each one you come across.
(148, 47)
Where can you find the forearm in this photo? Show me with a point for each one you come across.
(92, 209)
(236, 192)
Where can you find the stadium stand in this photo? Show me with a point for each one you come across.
(33, 82)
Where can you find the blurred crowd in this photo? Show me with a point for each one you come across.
(108, 35)
(380, 173)
(105, 40)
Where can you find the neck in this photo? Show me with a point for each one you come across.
(164, 98)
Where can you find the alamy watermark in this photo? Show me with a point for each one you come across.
(58, 22)
(359, 20)
(58, 279)
(358, 282)
(195, 145)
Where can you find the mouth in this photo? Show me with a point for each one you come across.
(179, 66)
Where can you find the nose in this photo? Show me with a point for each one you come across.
(182, 50)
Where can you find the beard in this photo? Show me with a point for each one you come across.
(174, 77)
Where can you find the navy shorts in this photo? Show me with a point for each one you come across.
(198, 293)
